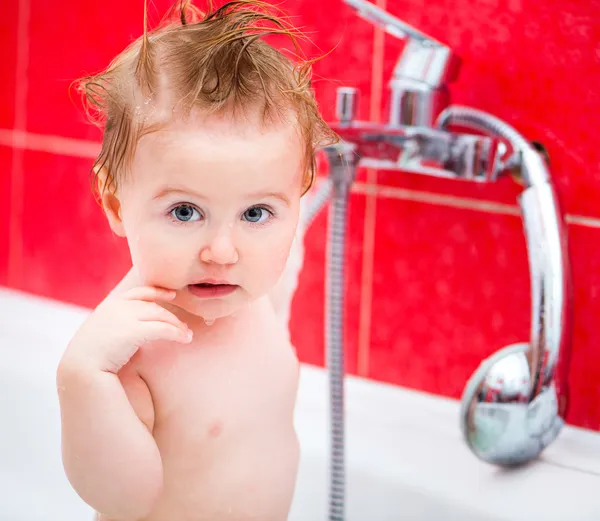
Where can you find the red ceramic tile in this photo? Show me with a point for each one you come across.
(69, 252)
(307, 323)
(90, 35)
(100, 35)
(533, 64)
(450, 287)
(584, 409)
(350, 42)
(503, 191)
(5, 207)
(8, 58)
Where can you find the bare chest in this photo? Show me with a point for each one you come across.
(210, 392)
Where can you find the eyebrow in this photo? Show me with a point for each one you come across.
(165, 190)
(277, 195)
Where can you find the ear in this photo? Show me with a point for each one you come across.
(110, 203)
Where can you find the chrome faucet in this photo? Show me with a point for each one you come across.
(515, 404)
(410, 140)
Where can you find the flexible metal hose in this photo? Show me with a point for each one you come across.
(335, 346)
(343, 162)
(334, 318)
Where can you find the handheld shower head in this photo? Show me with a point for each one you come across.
(515, 403)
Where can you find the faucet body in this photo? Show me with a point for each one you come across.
(419, 83)
(419, 92)
(515, 403)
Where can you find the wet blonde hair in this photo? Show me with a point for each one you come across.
(215, 61)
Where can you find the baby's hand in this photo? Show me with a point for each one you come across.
(122, 324)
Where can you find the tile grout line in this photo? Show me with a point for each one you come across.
(15, 228)
(582, 220)
(370, 221)
(466, 203)
(48, 143)
(73, 147)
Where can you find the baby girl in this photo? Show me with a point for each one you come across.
(177, 393)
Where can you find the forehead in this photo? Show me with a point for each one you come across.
(241, 152)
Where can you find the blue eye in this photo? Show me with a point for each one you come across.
(185, 213)
(257, 214)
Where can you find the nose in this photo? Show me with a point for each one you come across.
(220, 249)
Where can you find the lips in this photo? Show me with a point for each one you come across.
(212, 289)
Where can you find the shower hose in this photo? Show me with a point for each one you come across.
(336, 187)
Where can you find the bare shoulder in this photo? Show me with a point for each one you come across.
(275, 334)
(269, 324)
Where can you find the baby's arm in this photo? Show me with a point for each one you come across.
(109, 454)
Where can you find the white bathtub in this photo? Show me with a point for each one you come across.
(406, 459)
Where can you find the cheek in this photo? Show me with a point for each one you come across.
(271, 253)
(157, 257)
(281, 250)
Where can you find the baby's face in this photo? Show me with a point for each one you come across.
(210, 200)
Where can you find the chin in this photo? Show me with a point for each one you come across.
(211, 309)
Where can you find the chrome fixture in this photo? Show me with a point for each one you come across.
(514, 405)
(342, 170)
(410, 140)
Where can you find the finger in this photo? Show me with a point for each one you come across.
(152, 331)
(150, 311)
(149, 294)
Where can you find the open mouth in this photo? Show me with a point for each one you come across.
(210, 290)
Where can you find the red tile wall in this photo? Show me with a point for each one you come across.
(437, 270)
